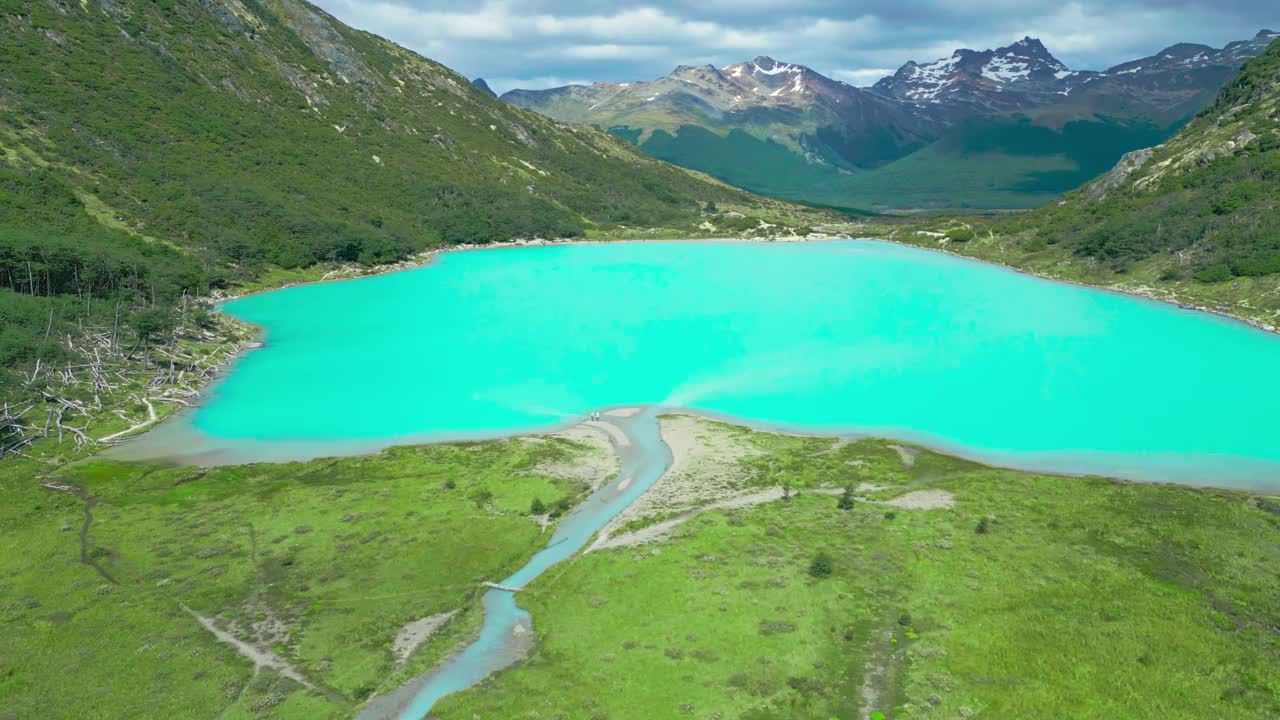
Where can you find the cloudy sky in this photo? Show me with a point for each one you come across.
(543, 43)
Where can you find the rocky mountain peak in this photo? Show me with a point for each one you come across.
(1031, 47)
(981, 77)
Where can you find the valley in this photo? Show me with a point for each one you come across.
(999, 129)
(334, 385)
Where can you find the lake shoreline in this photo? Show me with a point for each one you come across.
(424, 259)
(183, 438)
(1070, 463)
(1145, 293)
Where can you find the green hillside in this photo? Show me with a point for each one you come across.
(1001, 162)
(738, 158)
(226, 137)
(1205, 201)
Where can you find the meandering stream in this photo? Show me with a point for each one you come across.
(507, 632)
(841, 337)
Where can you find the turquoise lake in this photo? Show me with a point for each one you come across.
(833, 337)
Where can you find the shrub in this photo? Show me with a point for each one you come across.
(481, 496)
(561, 507)
(1214, 273)
(538, 507)
(822, 566)
(846, 500)
(776, 627)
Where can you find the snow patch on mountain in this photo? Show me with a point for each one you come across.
(774, 67)
(1006, 69)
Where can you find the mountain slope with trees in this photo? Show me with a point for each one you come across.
(1194, 220)
(1206, 200)
(156, 150)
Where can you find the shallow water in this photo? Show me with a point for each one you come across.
(838, 337)
(507, 630)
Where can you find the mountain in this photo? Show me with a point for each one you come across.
(484, 86)
(226, 137)
(1008, 127)
(1201, 205)
(1024, 76)
(824, 120)
(1017, 77)
(1190, 220)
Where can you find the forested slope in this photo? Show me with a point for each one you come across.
(1195, 220)
(156, 149)
(1206, 199)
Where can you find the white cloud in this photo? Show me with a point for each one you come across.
(538, 82)
(389, 18)
(862, 77)
(614, 51)
(533, 40)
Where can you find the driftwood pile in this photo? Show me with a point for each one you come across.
(109, 378)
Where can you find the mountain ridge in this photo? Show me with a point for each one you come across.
(817, 137)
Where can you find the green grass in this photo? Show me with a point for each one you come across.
(1086, 598)
(341, 553)
(1003, 162)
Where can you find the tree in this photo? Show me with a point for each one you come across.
(538, 507)
(983, 527)
(711, 206)
(153, 324)
(846, 500)
(822, 566)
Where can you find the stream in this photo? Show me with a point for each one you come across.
(507, 632)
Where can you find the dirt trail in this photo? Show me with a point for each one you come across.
(660, 530)
(152, 419)
(924, 500)
(907, 455)
(261, 658)
(417, 632)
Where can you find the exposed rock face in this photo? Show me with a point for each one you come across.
(317, 31)
(1128, 165)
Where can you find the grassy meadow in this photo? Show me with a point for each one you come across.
(1033, 597)
(319, 562)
